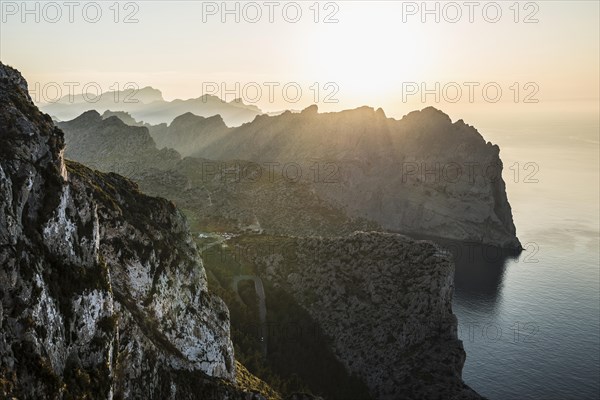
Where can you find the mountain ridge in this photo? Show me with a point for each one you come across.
(147, 104)
(422, 174)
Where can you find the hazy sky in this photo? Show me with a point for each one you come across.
(378, 53)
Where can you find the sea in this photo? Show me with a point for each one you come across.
(530, 323)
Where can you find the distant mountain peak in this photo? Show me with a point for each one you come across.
(151, 93)
(89, 117)
(209, 97)
(123, 116)
(216, 118)
(113, 120)
(431, 114)
(148, 106)
(187, 117)
(310, 110)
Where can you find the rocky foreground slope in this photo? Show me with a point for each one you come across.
(422, 174)
(102, 293)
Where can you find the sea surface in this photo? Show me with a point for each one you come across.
(531, 324)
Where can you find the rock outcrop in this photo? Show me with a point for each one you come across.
(102, 291)
(385, 300)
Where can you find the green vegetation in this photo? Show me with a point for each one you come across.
(299, 356)
(87, 383)
(298, 347)
(31, 366)
(249, 382)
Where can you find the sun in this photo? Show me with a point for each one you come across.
(368, 69)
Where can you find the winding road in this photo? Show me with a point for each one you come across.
(262, 304)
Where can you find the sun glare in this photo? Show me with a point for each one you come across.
(368, 70)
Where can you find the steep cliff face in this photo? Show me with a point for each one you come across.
(102, 291)
(386, 302)
(422, 174)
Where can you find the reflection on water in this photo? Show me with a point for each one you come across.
(479, 270)
(530, 323)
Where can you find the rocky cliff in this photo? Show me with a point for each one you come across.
(386, 302)
(102, 292)
(422, 174)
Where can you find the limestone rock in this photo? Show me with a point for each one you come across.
(102, 292)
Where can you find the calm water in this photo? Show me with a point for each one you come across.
(531, 324)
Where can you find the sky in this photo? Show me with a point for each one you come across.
(343, 54)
